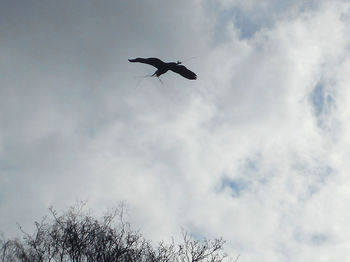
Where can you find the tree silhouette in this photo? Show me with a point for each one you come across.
(76, 236)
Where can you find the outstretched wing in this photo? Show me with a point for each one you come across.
(182, 70)
(151, 61)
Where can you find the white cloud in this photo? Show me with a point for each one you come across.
(76, 124)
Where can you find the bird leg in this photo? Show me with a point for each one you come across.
(141, 79)
(155, 74)
(160, 80)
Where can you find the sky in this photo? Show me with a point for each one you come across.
(256, 150)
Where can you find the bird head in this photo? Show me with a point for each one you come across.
(178, 62)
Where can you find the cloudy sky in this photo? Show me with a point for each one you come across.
(256, 150)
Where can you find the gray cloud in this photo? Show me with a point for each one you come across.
(240, 152)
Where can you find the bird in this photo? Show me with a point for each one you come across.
(163, 67)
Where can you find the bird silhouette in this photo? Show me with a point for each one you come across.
(163, 67)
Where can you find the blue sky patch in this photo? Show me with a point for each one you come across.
(319, 239)
(246, 24)
(236, 186)
(322, 103)
(318, 99)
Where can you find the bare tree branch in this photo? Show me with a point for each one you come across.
(76, 236)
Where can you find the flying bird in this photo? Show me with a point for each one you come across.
(163, 67)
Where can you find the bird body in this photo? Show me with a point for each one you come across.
(163, 67)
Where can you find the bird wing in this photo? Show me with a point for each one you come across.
(151, 61)
(182, 70)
